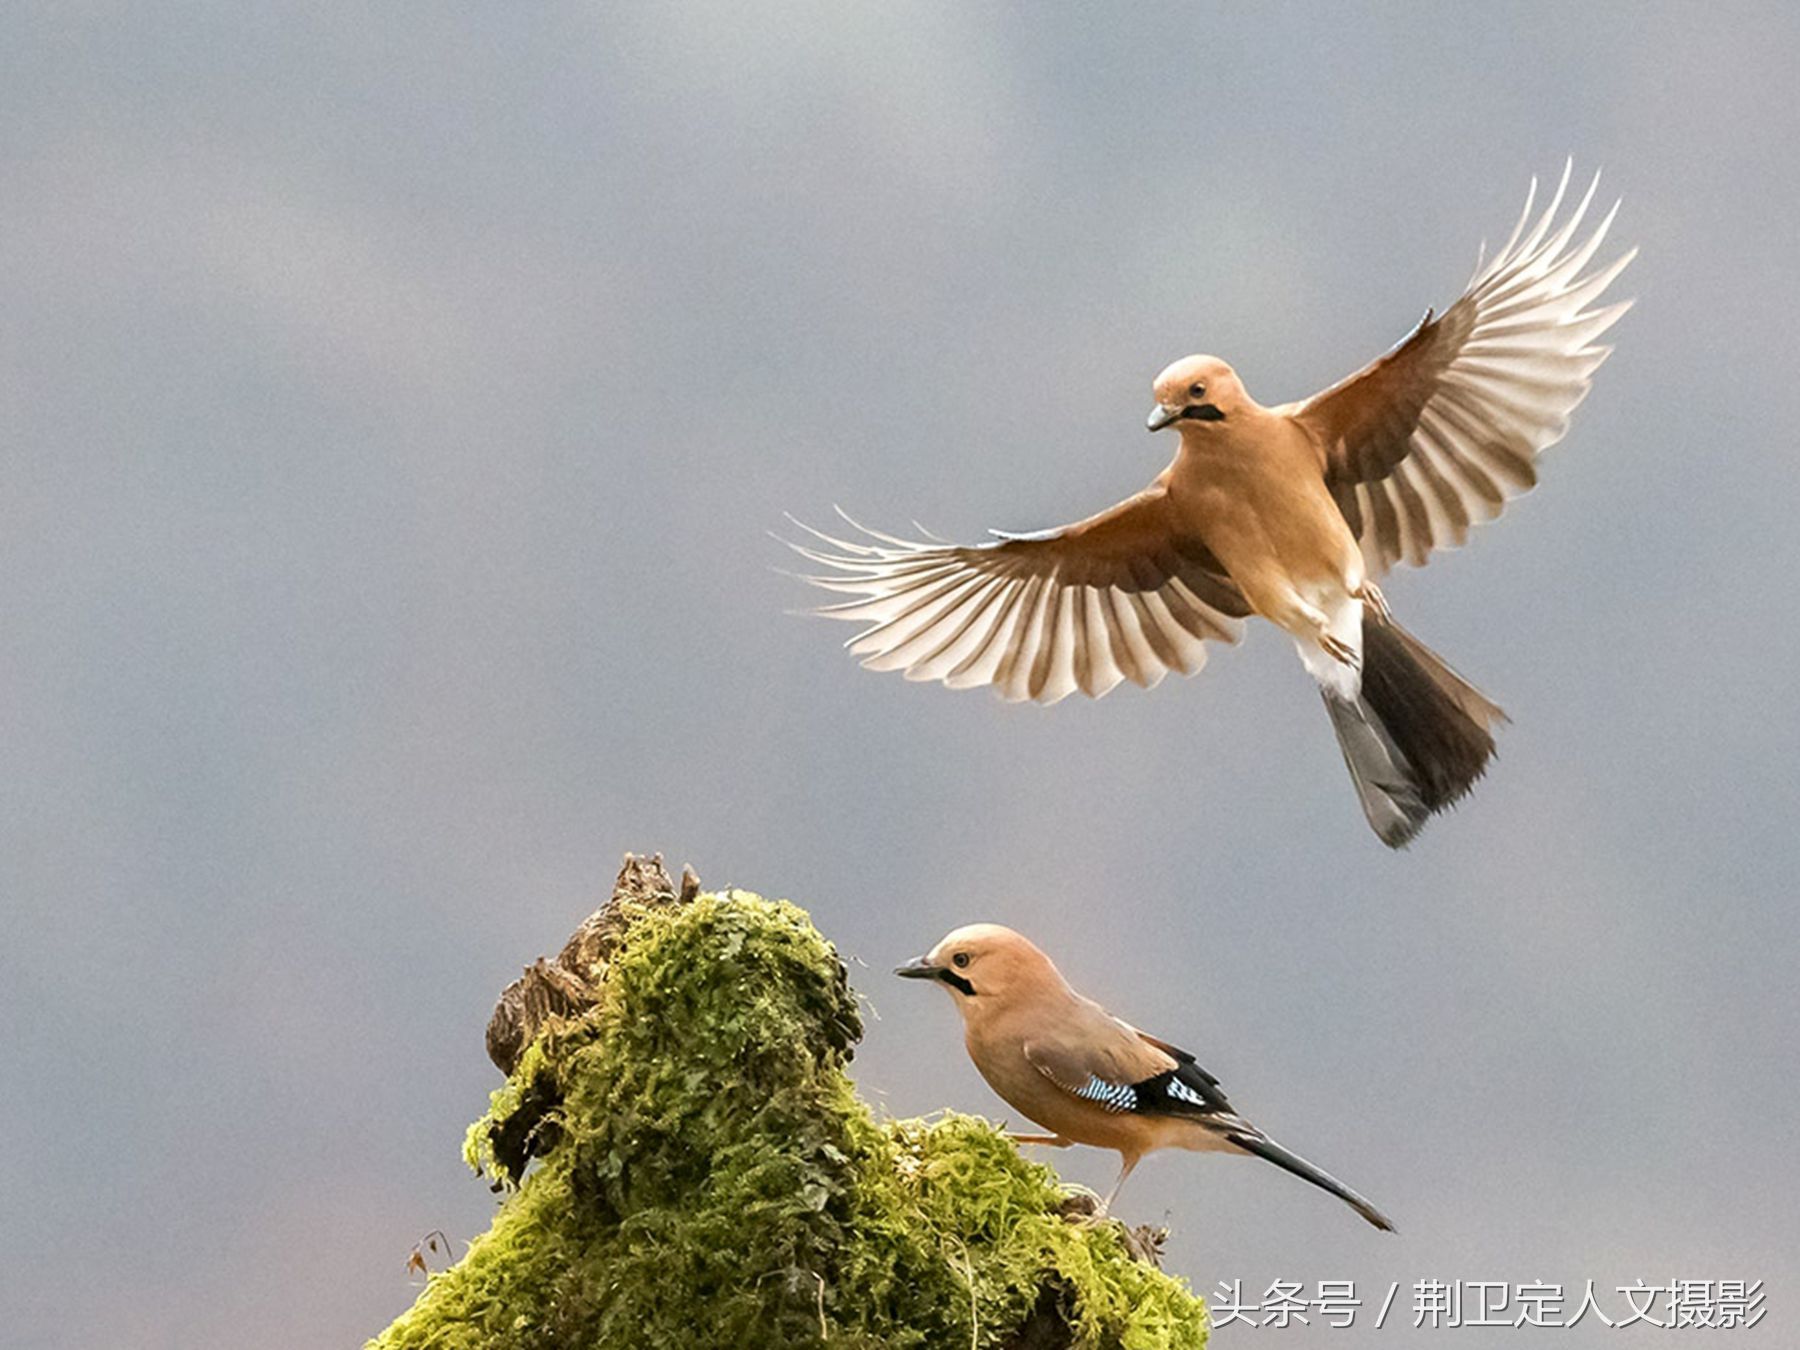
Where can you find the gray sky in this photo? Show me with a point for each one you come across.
(394, 401)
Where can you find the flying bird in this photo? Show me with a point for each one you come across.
(1292, 513)
(1068, 1065)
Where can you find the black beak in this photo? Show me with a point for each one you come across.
(920, 969)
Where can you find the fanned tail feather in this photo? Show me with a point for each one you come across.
(1417, 736)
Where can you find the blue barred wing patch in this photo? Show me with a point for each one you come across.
(1113, 1096)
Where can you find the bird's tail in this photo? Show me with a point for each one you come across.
(1416, 736)
(1270, 1151)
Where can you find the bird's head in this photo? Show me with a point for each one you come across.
(1194, 392)
(983, 966)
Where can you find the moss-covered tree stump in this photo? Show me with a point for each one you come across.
(706, 1176)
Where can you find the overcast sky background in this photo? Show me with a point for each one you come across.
(394, 400)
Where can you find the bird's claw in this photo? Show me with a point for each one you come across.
(1082, 1206)
(1340, 651)
(1371, 595)
(1047, 1140)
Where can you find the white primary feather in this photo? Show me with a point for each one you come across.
(996, 614)
(1506, 394)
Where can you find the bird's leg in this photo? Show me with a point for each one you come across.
(1048, 1140)
(1127, 1162)
(1370, 594)
(1319, 622)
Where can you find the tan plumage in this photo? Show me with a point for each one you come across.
(1068, 1065)
(1287, 512)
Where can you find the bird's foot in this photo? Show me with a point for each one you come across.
(1047, 1140)
(1371, 595)
(1340, 651)
(1082, 1206)
(1309, 621)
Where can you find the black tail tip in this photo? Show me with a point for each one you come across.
(1377, 1219)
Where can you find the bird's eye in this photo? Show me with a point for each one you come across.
(960, 960)
(1196, 391)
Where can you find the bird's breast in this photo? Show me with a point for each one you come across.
(1261, 505)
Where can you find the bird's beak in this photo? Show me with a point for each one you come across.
(1162, 415)
(921, 969)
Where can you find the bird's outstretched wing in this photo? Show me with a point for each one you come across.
(1124, 595)
(1436, 435)
(1119, 1068)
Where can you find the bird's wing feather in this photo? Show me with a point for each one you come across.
(1124, 595)
(1117, 1067)
(1436, 435)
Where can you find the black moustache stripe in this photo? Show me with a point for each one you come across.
(956, 981)
(1202, 412)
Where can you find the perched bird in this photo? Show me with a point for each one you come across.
(1067, 1064)
(1289, 512)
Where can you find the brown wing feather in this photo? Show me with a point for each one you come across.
(1120, 1069)
(1128, 594)
(1098, 1046)
(1438, 433)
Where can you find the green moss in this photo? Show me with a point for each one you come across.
(707, 1177)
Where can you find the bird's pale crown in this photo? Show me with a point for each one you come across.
(985, 964)
(1196, 389)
